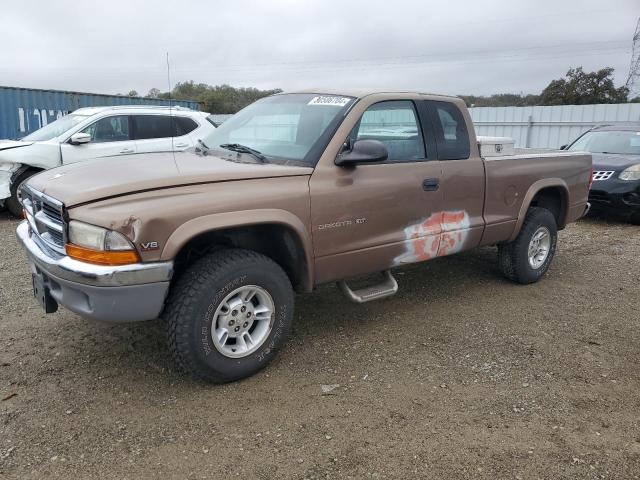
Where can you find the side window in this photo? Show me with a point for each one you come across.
(452, 137)
(183, 125)
(152, 126)
(394, 123)
(109, 129)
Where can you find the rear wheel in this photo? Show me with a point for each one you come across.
(527, 258)
(12, 203)
(228, 315)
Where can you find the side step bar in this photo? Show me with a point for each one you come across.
(386, 288)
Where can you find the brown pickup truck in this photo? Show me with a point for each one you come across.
(294, 191)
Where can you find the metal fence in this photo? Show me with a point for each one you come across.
(549, 126)
(24, 110)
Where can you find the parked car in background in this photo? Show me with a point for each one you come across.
(616, 169)
(294, 191)
(96, 132)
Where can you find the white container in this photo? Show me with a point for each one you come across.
(496, 146)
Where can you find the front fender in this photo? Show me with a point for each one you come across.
(7, 174)
(219, 221)
(41, 155)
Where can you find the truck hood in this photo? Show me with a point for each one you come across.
(122, 175)
(7, 144)
(608, 161)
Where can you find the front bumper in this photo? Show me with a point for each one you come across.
(616, 196)
(125, 293)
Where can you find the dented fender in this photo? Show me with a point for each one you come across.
(43, 155)
(17, 155)
(7, 172)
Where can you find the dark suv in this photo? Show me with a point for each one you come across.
(616, 168)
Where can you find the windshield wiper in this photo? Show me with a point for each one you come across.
(237, 147)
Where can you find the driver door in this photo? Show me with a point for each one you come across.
(371, 217)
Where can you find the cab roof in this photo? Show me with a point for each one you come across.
(360, 93)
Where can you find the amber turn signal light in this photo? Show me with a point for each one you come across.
(99, 257)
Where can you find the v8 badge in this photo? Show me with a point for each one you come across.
(147, 246)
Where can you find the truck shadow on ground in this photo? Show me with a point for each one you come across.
(139, 349)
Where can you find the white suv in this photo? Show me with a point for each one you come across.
(97, 132)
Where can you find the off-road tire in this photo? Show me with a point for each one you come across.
(634, 218)
(513, 256)
(12, 203)
(194, 298)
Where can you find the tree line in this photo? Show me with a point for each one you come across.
(213, 98)
(576, 88)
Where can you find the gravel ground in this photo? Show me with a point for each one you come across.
(460, 375)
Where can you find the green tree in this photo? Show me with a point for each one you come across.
(215, 99)
(132, 93)
(501, 100)
(582, 88)
(153, 93)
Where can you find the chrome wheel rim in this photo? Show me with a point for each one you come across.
(243, 321)
(539, 247)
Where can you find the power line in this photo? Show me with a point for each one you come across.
(460, 56)
(633, 80)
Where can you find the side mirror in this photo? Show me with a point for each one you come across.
(564, 147)
(363, 151)
(79, 138)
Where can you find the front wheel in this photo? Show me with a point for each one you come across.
(12, 203)
(527, 258)
(228, 315)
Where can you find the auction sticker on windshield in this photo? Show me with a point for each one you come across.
(329, 100)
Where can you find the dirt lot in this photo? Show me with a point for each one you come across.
(460, 375)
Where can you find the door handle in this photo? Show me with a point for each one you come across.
(180, 145)
(430, 184)
(126, 150)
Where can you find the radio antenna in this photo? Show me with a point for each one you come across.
(171, 123)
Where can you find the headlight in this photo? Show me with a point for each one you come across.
(98, 245)
(631, 173)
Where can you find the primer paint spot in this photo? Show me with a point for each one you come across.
(442, 233)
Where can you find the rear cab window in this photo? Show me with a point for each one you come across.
(450, 129)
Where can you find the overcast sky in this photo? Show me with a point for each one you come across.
(452, 46)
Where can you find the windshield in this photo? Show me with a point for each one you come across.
(55, 129)
(292, 128)
(620, 142)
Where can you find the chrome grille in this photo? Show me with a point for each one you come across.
(52, 212)
(602, 175)
(45, 217)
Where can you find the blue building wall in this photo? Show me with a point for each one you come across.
(24, 110)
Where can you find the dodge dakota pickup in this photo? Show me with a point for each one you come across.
(294, 191)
